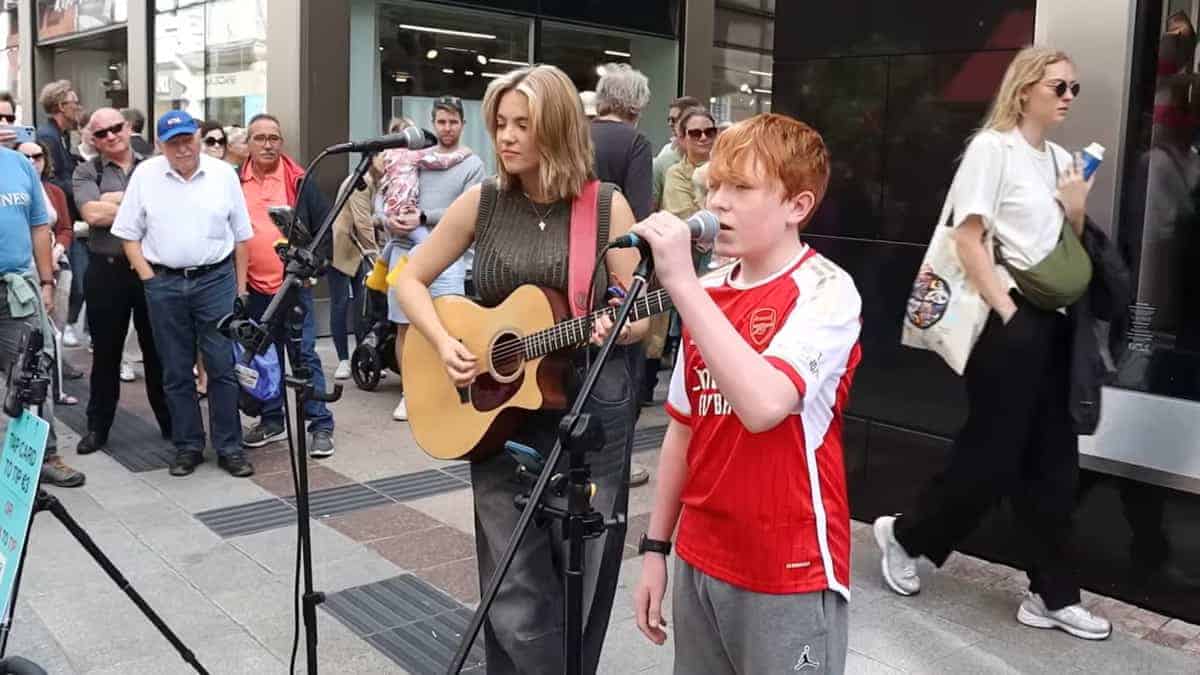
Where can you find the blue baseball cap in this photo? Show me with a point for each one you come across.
(175, 123)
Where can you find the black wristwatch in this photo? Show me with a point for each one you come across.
(653, 545)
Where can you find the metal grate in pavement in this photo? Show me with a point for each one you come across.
(648, 438)
(413, 623)
(231, 521)
(136, 443)
(419, 484)
(341, 499)
(461, 470)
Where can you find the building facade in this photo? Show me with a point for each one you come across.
(896, 88)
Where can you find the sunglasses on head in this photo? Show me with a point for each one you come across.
(1061, 88)
(102, 134)
(213, 140)
(7, 118)
(697, 134)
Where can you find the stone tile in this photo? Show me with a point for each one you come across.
(210, 487)
(626, 650)
(456, 509)
(364, 567)
(857, 664)
(380, 522)
(281, 484)
(1162, 637)
(276, 549)
(1177, 627)
(993, 656)
(255, 603)
(338, 651)
(273, 459)
(459, 578)
(1192, 647)
(425, 549)
(890, 639)
(173, 534)
(31, 639)
(1124, 653)
(224, 568)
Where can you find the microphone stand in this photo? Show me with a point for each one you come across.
(302, 263)
(578, 432)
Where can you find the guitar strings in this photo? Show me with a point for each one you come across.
(520, 349)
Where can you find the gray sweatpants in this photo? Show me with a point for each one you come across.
(721, 629)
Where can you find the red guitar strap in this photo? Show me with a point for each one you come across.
(581, 255)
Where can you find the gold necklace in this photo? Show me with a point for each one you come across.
(541, 218)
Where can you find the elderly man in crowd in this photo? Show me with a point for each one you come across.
(112, 290)
(25, 299)
(184, 225)
(271, 178)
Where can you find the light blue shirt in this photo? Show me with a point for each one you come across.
(184, 222)
(22, 208)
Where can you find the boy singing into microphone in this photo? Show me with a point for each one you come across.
(751, 465)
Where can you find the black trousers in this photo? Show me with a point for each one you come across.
(113, 293)
(1018, 442)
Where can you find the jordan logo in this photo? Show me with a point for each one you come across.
(806, 661)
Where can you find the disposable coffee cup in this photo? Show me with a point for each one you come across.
(1093, 155)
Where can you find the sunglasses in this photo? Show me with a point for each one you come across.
(102, 134)
(696, 134)
(1061, 88)
(34, 157)
(8, 119)
(213, 140)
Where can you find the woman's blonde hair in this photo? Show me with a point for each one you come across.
(1028, 67)
(557, 124)
(398, 124)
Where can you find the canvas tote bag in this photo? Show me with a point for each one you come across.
(945, 313)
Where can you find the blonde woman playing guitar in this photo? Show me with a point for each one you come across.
(519, 225)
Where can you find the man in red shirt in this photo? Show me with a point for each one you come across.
(751, 465)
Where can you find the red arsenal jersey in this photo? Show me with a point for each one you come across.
(768, 512)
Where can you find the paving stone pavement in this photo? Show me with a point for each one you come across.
(229, 598)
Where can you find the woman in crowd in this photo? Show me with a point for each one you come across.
(215, 143)
(236, 150)
(64, 234)
(544, 150)
(698, 130)
(355, 249)
(1015, 185)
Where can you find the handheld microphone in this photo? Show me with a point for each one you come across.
(703, 225)
(412, 138)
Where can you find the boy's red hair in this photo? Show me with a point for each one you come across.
(784, 149)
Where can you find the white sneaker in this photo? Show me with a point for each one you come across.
(400, 414)
(899, 568)
(70, 339)
(343, 371)
(1074, 619)
(127, 374)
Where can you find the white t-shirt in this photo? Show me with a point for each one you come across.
(1011, 185)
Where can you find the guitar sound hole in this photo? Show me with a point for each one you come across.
(507, 356)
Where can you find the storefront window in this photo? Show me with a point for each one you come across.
(211, 59)
(742, 56)
(1158, 347)
(427, 51)
(62, 18)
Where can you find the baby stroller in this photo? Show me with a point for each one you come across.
(377, 350)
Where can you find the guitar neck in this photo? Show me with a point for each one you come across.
(576, 332)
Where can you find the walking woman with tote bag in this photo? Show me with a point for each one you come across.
(1027, 195)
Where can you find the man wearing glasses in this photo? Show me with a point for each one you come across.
(271, 178)
(61, 104)
(112, 289)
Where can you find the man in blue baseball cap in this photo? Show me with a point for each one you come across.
(184, 223)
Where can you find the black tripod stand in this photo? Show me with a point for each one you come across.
(301, 263)
(578, 432)
(29, 387)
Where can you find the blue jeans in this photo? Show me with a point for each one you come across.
(319, 417)
(184, 315)
(346, 304)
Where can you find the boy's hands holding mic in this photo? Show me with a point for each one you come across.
(671, 241)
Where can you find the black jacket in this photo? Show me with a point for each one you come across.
(1107, 298)
(311, 210)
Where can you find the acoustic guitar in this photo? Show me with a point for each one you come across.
(521, 367)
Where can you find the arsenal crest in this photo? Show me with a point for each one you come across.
(762, 325)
